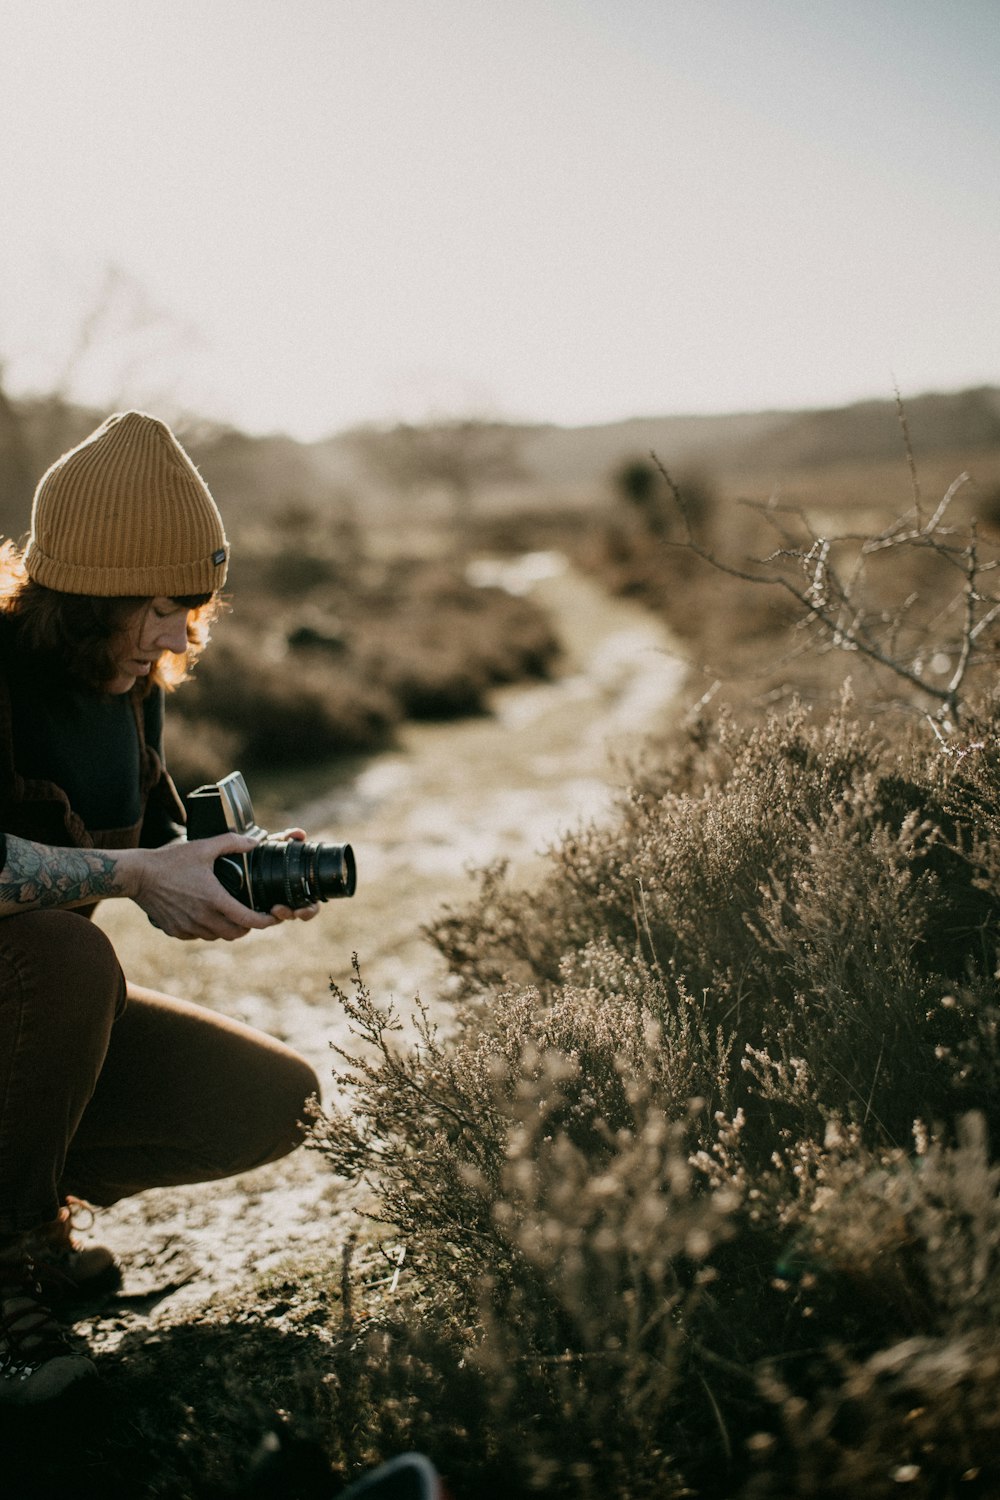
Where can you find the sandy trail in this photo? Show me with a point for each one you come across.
(450, 798)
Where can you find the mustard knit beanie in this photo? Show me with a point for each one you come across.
(126, 513)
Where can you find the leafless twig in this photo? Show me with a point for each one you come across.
(806, 567)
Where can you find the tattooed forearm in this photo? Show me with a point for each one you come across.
(38, 875)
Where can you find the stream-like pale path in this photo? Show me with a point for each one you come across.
(452, 797)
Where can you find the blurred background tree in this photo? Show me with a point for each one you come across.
(455, 458)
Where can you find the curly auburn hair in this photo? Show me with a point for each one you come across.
(74, 635)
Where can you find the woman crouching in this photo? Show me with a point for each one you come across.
(106, 1088)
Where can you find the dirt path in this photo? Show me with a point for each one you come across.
(450, 798)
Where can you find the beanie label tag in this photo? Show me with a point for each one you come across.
(218, 557)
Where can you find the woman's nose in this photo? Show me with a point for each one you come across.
(173, 635)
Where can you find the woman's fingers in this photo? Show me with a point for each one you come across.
(294, 914)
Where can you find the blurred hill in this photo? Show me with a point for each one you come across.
(366, 472)
(740, 450)
(868, 431)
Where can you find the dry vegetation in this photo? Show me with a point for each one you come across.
(327, 651)
(698, 1192)
(701, 1197)
(769, 590)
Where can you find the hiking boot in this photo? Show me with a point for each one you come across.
(37, 1362)
(67, 1270)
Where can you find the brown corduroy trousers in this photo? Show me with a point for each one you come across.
(107, 1089)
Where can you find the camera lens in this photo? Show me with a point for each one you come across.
(335, 871)
(297, 874)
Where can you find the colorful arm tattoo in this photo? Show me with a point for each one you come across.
(39, 875)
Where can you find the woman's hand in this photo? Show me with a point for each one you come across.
(178, 890)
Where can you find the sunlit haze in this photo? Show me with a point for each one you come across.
(306, 214)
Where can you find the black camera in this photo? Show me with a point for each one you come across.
(277, 872)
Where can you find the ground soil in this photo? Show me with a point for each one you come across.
(450, 798)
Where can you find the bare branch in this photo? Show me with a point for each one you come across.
(833, 604)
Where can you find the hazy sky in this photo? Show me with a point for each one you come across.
(302, 214)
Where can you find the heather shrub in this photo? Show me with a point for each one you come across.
(314, 713)
(698, 1187)
(813, 893)
(324, 662)
(552, 1259)
(439, 643)
(696, 1195)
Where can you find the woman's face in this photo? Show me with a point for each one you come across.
(159, 625)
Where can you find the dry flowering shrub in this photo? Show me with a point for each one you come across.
(555, 1228)
(820, 896)
(329, 658)
(914, 1235)
(589, 1356)
(700, 1187)
(914, 1257)
(916, 1418)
